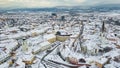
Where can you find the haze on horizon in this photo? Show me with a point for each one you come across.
(52, 3)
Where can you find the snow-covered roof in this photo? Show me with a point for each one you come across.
(27, 57)
(49, 36)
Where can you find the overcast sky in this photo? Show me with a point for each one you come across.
(52, 3)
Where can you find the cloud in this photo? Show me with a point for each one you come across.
(27, 3)
(80, 1)
(51, 3)
(97, 2)
(8, 3)
(38, 3)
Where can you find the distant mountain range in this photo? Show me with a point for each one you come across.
(105, 7)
